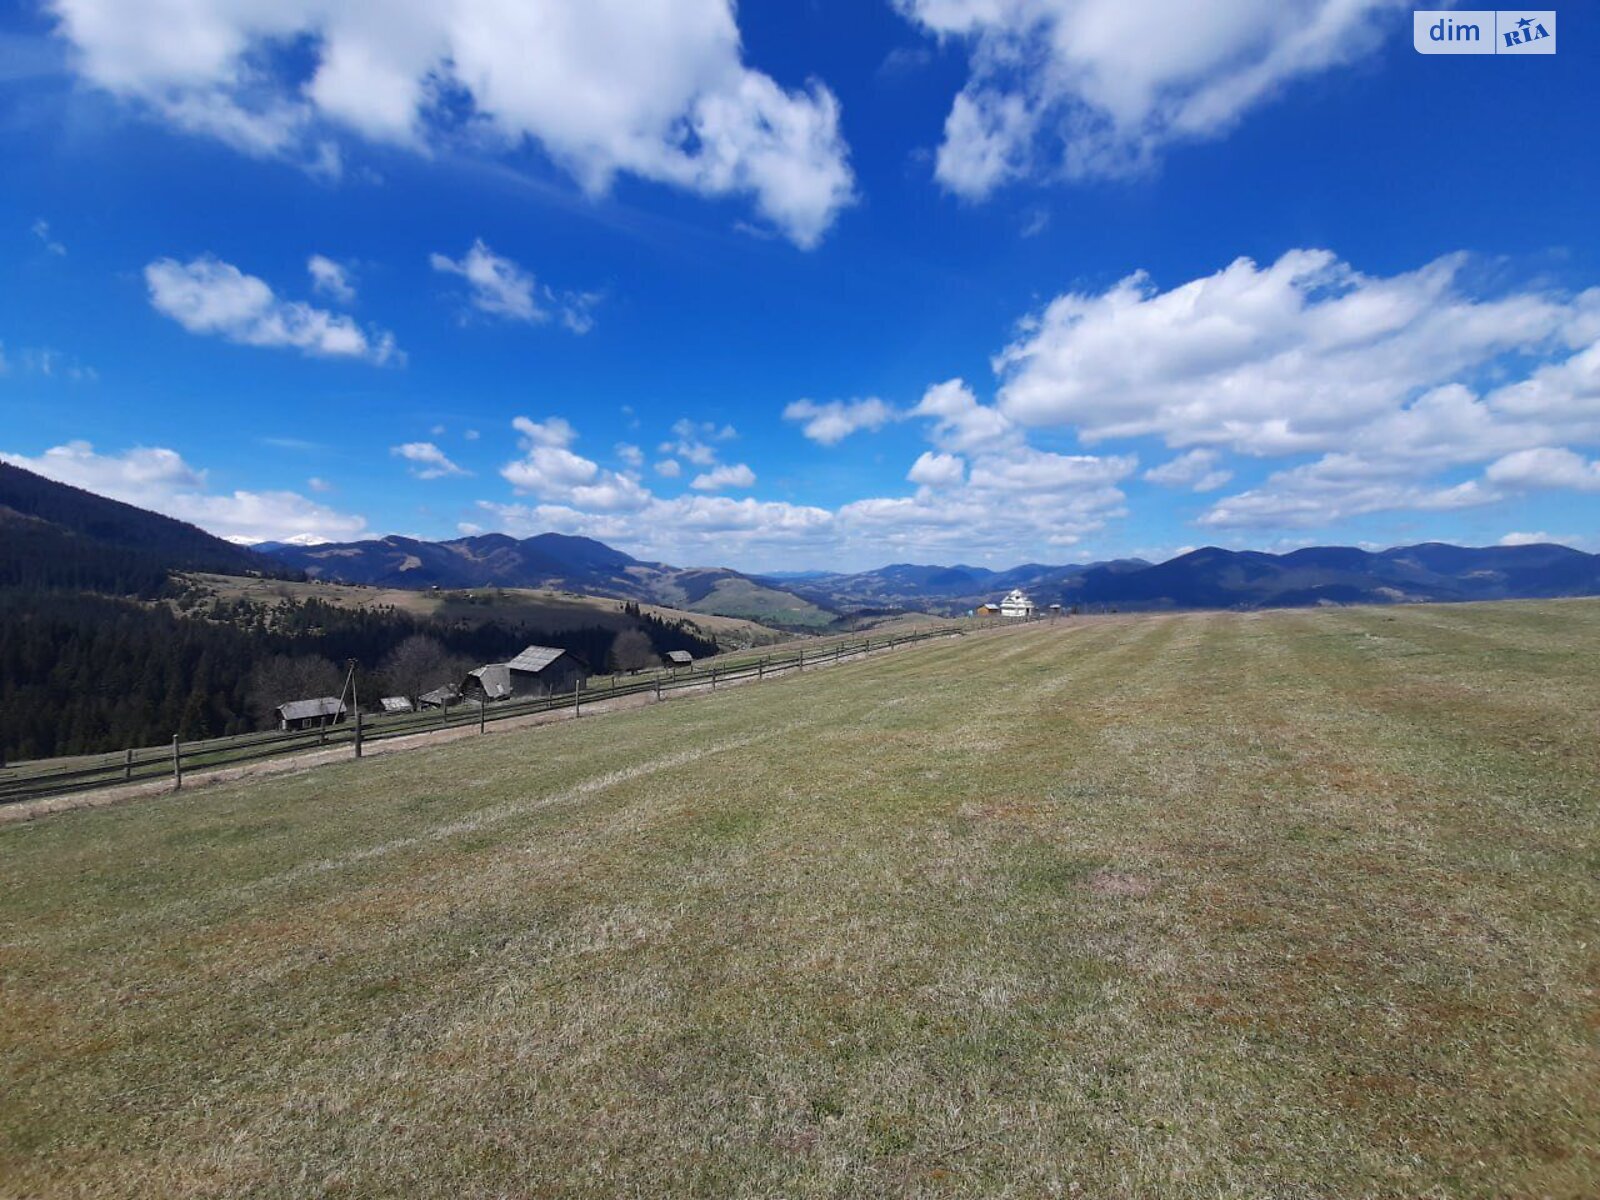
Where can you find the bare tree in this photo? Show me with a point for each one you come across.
(419, 664)
(632, 651)
(285, 677)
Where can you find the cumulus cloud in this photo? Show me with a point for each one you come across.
(427, 460)
(830, 423)
(1083, 88)
(208, 296)
(1267, 360)
(1546, 467)
(1015, 499)
(658, 91)
(1196, 469)
(1320, 493)
(331, 279)
(159, 479)
(550, 470)
(630, 454)
(961, 422)
(727, 476)
(938, 470)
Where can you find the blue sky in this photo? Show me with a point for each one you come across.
(804, 284)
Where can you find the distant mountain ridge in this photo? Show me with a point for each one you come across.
(553, 560)
(54, 536)
(1212, 577)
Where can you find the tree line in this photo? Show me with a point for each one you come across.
(85, 673)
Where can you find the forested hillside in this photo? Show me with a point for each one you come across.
(53, 536)
(103, 645)
(87, 673)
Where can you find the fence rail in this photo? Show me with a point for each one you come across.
(30, 781)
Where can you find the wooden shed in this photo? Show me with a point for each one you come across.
(310, 714)
(537, 671)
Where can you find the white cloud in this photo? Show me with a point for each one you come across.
(1318, 494)
(427, 460)
(502, 288)
(630, 454)
(669, 468)
(1014, 501)
(471, 435)
(557, 431)
(553, 472)
(830, 423)
(41, 230)
(688, 443)
(1527, 539)
(1268, 360)
(726, 476)
(496, 285)
(318, 484)
(961, 423)
(207, 296)
(1545, 467)
(938, 470)
(1082, 88)
(331, 279)
(1195, 469)
(159, 479)
(659, 90)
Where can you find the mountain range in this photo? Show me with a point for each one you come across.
(554, 560)
(1210, 577)
(56, 536)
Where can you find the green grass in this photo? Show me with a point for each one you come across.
(1288, 904)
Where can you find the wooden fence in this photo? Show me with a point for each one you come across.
(28, 781)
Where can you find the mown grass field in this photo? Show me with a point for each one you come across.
(1286, 904)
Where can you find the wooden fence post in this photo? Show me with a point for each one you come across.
(483, 708)
(761, 669)
(358, 733)
(658, 688)
(577, 697)
(802, 658)
(177, 764)
(127, 766)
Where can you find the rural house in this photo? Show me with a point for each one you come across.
(309, 714)
(1016, 604)
(439, 697)
(679, 658)
(395, 704)
(537, 671)
(987, 610)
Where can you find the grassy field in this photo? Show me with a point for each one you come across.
(1284, 904)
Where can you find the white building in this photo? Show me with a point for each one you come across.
(1016, 604)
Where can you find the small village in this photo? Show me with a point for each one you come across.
(547, 671)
